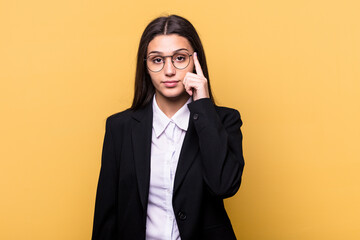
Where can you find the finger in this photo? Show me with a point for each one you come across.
(192, 75)
(197, 65)
(188, 89)
(194, 83)
(189, 77)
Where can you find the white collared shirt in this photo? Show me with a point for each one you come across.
(167, 139)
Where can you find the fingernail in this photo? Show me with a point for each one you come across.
(195, 53)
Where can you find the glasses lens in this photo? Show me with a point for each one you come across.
(155, 63)
(181, 60)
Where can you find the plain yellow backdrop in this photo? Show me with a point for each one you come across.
(290, 67)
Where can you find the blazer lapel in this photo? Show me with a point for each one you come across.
(141, 141)
(187, 155)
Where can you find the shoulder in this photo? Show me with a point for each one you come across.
(206, 104)
(124, 118)
(120, 115)
(119, 119)
(225, 110)
(227, 113)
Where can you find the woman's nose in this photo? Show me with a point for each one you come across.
(169, 68)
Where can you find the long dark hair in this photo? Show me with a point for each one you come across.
(173, 24)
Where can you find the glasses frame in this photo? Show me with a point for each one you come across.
(172, 61)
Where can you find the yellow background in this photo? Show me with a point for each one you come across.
(290, 67)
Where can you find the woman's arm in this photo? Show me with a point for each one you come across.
(104, 227)
(220, 141)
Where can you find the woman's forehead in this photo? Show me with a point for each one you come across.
(168, 44)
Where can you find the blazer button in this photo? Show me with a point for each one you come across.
(182, 216)
(196, 116)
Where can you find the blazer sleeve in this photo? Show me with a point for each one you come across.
(220, 141)
(104, 227)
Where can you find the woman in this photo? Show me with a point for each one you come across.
(170, 160)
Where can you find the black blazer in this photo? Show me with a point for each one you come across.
(209, 169)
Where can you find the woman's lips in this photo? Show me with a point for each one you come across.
(172, 83)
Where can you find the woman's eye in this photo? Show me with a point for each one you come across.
(179, 58)
(157, 60)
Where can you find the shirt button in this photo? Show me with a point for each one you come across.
(196, 116)
(182, 216)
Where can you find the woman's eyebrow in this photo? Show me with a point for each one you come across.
(177, 50)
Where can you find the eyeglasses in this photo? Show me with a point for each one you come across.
(156, 63)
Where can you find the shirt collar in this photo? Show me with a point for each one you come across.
(161, 121)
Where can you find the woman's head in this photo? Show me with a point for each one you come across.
(166, 33)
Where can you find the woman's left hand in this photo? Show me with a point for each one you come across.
(196, 85)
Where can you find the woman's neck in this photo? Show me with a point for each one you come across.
(169, 106)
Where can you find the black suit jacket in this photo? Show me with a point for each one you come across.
(209, 169)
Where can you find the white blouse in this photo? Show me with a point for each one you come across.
(167, 139)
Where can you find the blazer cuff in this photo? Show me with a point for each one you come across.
(203, 114)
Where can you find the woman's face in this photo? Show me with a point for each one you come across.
(168, 81)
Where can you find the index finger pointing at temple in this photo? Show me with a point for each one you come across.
(197, 65)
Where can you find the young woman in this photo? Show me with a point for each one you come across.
(170, 160)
